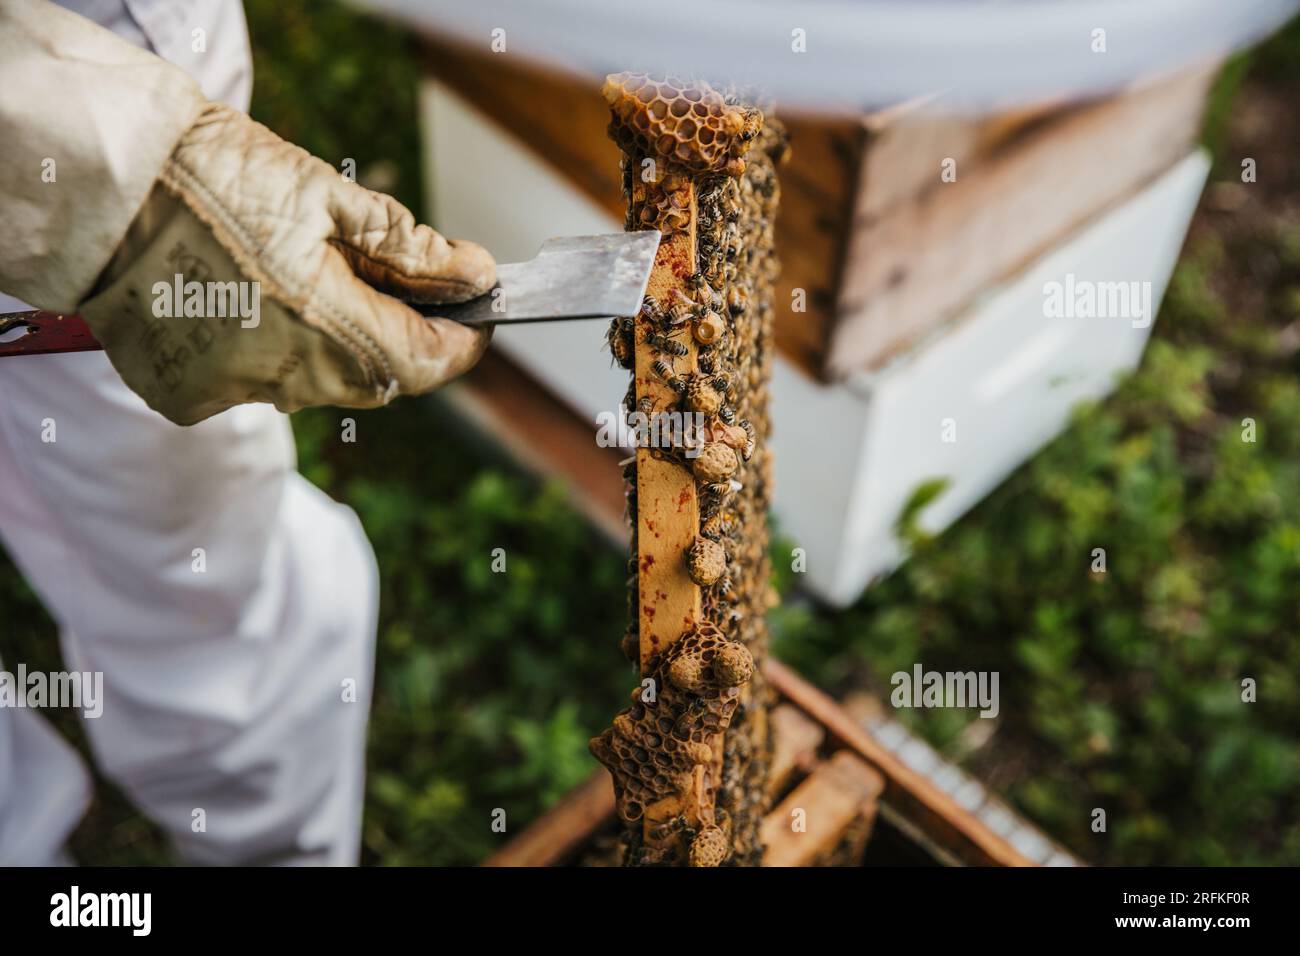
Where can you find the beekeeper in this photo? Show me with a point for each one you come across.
(150, 493)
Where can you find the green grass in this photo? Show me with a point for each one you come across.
(1118, 690)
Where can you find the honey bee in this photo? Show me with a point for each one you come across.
(704, 358)
(732, 239)
(678, 315)
(695, 281)
(662, 343)
(727, 414)
(748, 426)
(737, 301)
(630, 645)
(620, 346)
(665, 372)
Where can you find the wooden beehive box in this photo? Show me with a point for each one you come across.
(877, 246)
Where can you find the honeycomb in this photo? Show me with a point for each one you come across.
(655, 748)
(691, 125)
(704, 730)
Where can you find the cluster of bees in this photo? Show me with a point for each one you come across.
(713, 348)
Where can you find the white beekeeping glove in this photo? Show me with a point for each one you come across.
(155, 182)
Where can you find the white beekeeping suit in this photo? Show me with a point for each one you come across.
(227, 717)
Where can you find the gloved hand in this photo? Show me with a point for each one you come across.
(118, 174)
(236, 204)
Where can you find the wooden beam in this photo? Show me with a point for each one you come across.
(668, 514)
(667, 509)
(795, 742)
(935, 812)
(811, 819)
(563, 829)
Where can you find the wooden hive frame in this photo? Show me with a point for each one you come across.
(685, 778)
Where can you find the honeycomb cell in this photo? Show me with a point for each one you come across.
(706, 561)
(710, 847)
(708, 328)
(687, 673)
(733, 665)
(715, 462)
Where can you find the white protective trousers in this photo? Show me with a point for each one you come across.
(230, 605)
